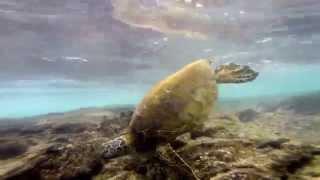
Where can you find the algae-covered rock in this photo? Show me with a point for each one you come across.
(247, 115)
(310, 171)
(79, 162)
(224, 148)
(243, 174)
(272, 143)
(111, 126)
(12, 148)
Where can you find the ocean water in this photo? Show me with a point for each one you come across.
(277, 81)
(63, 63)
(142, 41)
(40, 98)
(21, 102)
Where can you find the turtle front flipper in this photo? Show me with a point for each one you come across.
(170, 157)
(233, 73)
(116, 147)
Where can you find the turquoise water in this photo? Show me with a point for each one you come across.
(284, 80)
(41, 99)
(24, 102)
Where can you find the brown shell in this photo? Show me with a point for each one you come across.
(175, 105)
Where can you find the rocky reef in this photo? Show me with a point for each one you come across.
(238, 146)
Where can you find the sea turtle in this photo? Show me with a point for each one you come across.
(175, 105)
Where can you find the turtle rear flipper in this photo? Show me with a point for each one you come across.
(233, 73)
(116, 147)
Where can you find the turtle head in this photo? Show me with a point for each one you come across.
(234, 73)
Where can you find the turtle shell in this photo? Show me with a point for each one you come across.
(175, 105)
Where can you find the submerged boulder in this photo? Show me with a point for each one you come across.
(272, 143)
(72, 162)
(11, 148)
(247, 115)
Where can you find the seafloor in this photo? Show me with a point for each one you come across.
(270, 142)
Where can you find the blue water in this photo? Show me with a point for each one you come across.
(284, 80)
(36, 99)
(25, 102)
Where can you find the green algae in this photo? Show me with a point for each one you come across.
(310, 171)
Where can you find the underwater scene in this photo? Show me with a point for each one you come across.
(159, 90)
